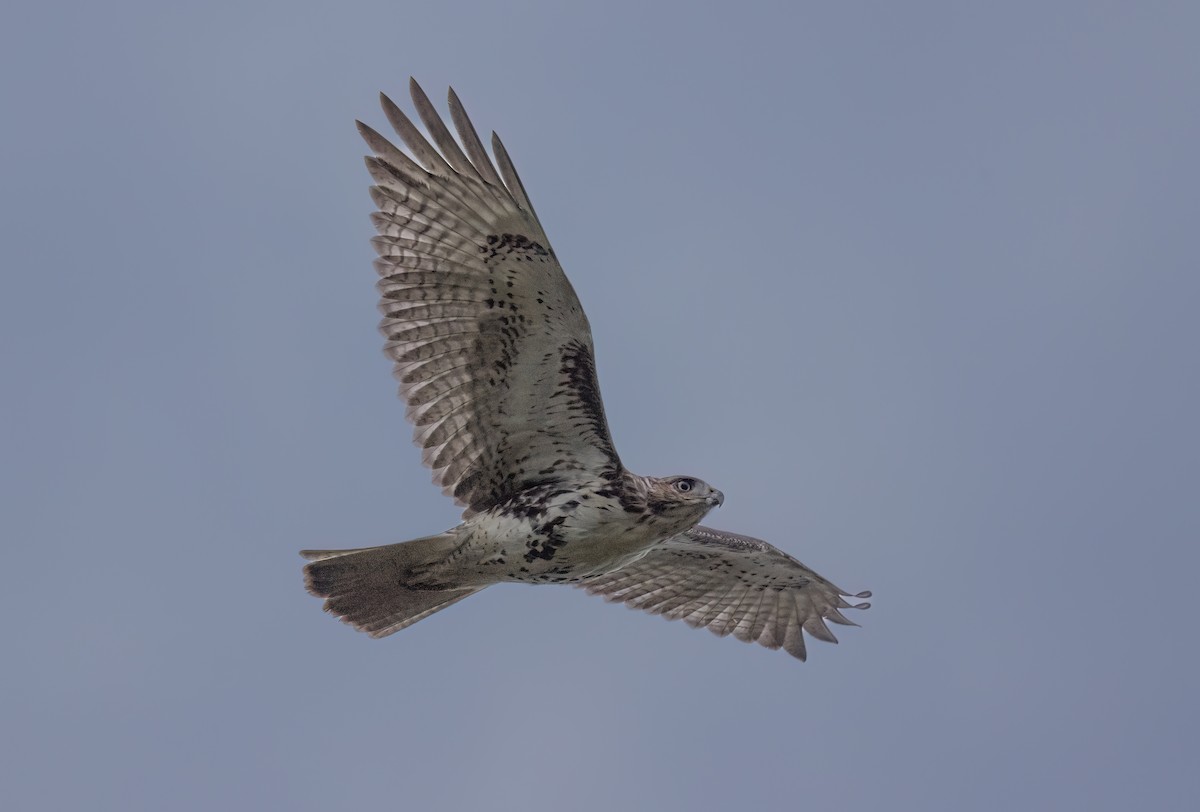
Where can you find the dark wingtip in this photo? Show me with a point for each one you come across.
(368, 134)
(415, 91)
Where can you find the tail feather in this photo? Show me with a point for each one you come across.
(371, 588)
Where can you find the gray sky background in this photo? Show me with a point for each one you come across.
(916, 285)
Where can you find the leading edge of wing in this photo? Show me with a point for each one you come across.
(490, 343)
(731, 584)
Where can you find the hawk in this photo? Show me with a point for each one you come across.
(494, 357)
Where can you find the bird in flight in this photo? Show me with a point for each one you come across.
(494, 357)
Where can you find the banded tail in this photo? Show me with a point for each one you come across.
(369, 587)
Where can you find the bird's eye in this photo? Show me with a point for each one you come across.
(685, 485)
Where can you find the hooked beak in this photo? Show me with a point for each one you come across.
(715, 498)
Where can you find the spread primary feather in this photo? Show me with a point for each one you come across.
(494, 358)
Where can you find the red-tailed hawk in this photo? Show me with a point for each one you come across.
(494, 357)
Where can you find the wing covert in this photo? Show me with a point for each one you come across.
(489, 341)
(730, 584)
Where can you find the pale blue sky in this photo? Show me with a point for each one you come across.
(915, 285)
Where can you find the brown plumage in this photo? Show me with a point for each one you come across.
(494, 357)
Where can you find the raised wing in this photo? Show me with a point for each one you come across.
(730, 584)
(491, 346)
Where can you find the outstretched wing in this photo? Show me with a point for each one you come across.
(730, 584)
(491, 346)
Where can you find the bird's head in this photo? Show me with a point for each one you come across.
(681, 497)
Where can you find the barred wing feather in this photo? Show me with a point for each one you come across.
(731, 584)
(490, 344)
